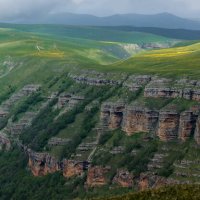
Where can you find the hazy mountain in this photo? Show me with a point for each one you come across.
(162, 20)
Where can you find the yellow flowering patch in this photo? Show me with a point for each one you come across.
(50, 54)
(169, 54)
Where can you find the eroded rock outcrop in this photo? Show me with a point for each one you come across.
(158, 88)
(139, 119)
(97, 176)
(73, 168)
(187, 125)
(97, 78)
(123, 178)
(134, 83)
(197, 131)
(167, 88)
(168, 124)
(42, 164)
(70, 100)
(112, 115)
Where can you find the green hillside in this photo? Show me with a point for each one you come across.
(31, 53)
(177, 61)
(52, 56)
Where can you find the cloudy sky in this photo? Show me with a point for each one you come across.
(10, 9)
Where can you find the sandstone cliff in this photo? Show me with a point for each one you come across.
(187, 125)
(123, 178)
(197, 131)
(73, 168)
(112, 114)
(42, 164)
(168, 125)
(97, 176)
(139, 119)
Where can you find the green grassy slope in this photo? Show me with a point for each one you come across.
(177, 61)
(58, 52)
(21, 61)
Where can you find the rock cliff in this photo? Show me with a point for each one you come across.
(73, 168)
(97, 176)
(112, 114)
(139, 119)
(167, 88)
(123, 178)
(197, 131)
(187, 125)
(42, 164)
(168, 125)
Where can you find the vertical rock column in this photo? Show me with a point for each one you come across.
(112, 115)
(105, 115)
(187, 125)
(168, 125)
(197, 131)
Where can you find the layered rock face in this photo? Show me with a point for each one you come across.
(112, 115)
(156, 87)
(123, 178)
(160, 88)
(139, 119)
(187, 125)
(167, 88)
(168, 125)
(42, 164)
(197, 131)
(97, 176)
(134, 83)
(97, 78)
(148, 181)
(73, 168)
(66, 99)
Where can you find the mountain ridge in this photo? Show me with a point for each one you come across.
(161, 20)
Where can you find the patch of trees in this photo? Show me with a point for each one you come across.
(9, 91)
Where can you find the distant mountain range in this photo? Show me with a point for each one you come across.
(162, 20)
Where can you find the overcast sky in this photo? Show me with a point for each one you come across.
(23, 8)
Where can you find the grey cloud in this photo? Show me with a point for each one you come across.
(31, 8)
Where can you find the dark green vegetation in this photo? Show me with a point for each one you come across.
(183, 192)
